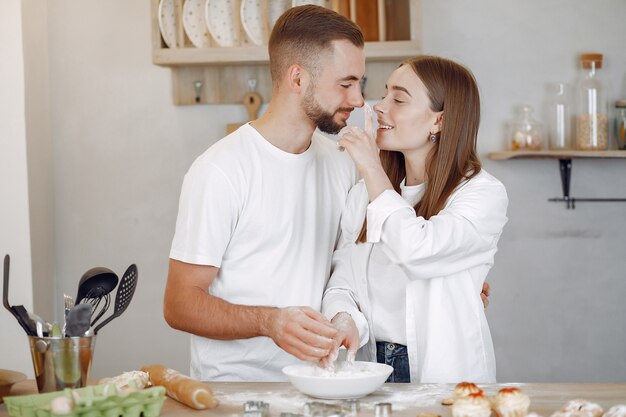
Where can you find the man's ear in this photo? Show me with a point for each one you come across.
(295, 76)
(438, 123)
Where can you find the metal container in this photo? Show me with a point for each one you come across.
(61, 362)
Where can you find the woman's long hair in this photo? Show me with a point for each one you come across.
(452, 89)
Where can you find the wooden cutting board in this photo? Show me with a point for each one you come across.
(253, 102)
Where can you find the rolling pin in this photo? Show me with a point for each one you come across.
(182, 388)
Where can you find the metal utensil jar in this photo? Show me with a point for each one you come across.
(61, 362)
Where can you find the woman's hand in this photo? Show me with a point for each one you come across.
(362, 149)
(361, 145)
(347, 336)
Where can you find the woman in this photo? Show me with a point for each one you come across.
(420, 231)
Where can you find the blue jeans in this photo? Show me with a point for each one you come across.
(396, 356)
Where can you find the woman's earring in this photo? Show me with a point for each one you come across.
(433, 138)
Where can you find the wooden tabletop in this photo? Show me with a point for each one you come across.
(408, 400)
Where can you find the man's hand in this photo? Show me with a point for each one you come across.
(302, 332)
(484, 295)
(348, 336)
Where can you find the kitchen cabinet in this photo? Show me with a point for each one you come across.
(565, 168)
(407, 400)
(220, 74)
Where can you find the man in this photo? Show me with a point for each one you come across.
(259, 212)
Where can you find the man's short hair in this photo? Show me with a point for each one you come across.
(303, 33)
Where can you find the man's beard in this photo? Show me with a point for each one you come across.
(321, 118)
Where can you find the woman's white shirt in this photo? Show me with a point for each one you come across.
(445, 260)
(388, 285)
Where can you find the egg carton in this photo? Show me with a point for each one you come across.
(91, 401)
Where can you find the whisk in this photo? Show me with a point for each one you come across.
(94, 288)
(95, 297)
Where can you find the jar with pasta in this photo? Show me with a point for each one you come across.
(592, 124)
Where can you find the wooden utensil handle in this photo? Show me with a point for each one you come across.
(253, 102)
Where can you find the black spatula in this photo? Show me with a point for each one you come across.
(19, 312)
(124, 295)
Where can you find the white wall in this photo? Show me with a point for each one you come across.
(14, 216)
(121, 149)
(39, 154)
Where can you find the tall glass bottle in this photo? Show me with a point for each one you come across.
(559, 118)
(592, 131)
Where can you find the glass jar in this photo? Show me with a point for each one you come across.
(592, 133)
(559, 118)
(620, 123)
(526, 133)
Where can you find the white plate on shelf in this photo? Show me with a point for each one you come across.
(167, 22)
(275, 8)
(195, 25)
(252, 13)
(222, 19)
(324, 3)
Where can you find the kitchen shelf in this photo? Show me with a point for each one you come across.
(220, 75)
(565, 168)
(549, 154)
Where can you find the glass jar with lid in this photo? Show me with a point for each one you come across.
(526, 132)
(592, 133)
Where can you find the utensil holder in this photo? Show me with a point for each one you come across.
(61, 362)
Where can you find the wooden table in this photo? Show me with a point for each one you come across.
(408, 400)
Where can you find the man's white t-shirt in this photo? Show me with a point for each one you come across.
(269, 220)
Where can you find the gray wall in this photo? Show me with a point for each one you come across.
(120, 150)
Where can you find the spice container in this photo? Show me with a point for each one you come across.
(559, 118)
(592, 132)
(620, 124)
(526, 132)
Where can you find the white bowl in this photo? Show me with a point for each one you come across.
(348, 381)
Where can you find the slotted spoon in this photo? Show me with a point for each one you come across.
(124, 295)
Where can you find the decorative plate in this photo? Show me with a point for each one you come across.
(275, 8)
(323, 3)
(167, 22)
(252, 12)
(195, 25)
(222, 19)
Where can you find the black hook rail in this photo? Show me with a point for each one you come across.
(565, 168)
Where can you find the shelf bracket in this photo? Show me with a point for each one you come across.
(565, 169)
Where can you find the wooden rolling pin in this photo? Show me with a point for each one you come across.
(182, 388)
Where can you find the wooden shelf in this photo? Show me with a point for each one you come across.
(549, 154)
(220, 75)
(565, 169)
(252, 55)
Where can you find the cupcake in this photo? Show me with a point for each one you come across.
(616, 411)
(472, 405)
(511, 402)
(463, 389)
(593, 409)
